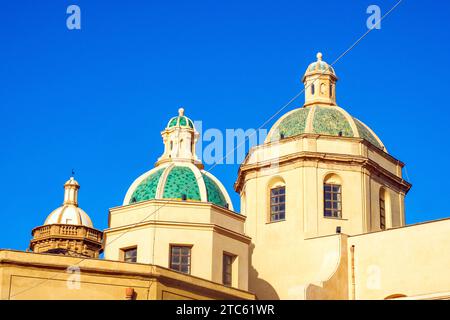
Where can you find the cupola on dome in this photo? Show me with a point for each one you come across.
(69, 212)
(320, 113)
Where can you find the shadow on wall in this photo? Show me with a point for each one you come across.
(258, 286)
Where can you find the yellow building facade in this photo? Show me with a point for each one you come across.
(322, 217)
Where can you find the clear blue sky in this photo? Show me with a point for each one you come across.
(96, 99)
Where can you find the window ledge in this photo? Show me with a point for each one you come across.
(270, 222)
(335, 218)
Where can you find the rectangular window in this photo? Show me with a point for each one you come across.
(227, 276)
(180, 258)
(382, 214)
(332, 200)
(130, 254)
(278, 204)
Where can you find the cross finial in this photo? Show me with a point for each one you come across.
(73, 172)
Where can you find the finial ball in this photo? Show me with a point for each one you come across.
(319, 56)
(181, 112)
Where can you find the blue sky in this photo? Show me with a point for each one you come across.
(96, 99)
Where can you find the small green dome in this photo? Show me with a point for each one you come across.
(325, 120)
(319, 67)
(178, 182)
(180, 121)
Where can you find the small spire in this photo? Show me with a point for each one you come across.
(319, 56)
(181, 112)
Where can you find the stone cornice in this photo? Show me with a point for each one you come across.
(316, 136)
(303, 156)
(172, 224)
(181, 204)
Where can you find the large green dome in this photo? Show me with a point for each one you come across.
(178, 181)
(322, 119)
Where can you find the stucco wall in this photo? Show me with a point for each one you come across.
(25, 275)
(209, 231)
(412, 260)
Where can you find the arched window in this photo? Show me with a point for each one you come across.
(323, 89)
(277, 203)
(277, 200)
(171, 145)
(332, 195)
(331, 90)
(313, 89)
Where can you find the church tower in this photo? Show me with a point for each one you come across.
(320, 173)
(68, 230)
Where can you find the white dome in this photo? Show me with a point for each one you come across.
(69, 214)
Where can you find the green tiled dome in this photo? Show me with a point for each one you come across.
(366, 134)
(181, 181)
(331, 121)
(147, 189)
(324, 120)
(292, 125)
(213, 191)
(180, 121)
(177, 181)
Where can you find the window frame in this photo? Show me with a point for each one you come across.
(272, 204)
(180, 264)
(335, 207)
(382, 212)
(229, 270)
(124, 251)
